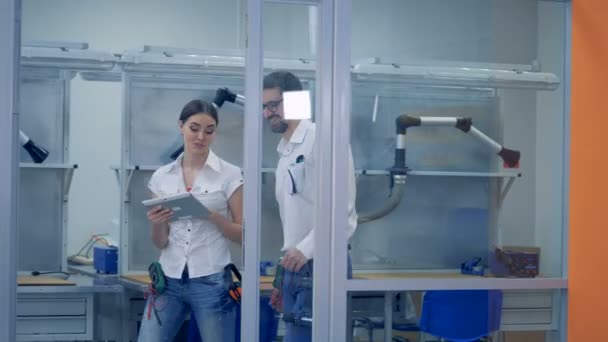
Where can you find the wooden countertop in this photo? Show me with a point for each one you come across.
(407, 275)
(42, 281)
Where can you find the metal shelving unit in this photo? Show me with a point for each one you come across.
(46, 75)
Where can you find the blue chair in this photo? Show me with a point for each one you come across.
(461, 315)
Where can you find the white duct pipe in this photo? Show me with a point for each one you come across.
(437, 121)
(510, 157)
(240, 100)
(400, 141)
(23, 138)
(496, 147)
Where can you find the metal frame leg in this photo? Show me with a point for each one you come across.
(388, 316)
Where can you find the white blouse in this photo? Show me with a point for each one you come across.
(197, 243)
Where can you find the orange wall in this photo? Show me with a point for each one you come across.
(588, 263)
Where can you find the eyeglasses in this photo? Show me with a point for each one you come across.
(272, 105)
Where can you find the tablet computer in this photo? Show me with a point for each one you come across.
(183, 205)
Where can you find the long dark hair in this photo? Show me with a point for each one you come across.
(198, 107)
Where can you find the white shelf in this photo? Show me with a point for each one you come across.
(367, 172)
(67, 175)
(442, 173)
(66, 56)
(130, 171)
(505, 174)
(444, 75)
(454, 74)
(461, 283)
(137, 167)
(500, 176)
(47, 166)
(465, 174)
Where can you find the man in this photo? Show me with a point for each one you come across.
(295, 195)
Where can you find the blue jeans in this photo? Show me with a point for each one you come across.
(269, 324)
(207, 297)
(297, 300)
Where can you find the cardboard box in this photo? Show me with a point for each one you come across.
(515, 261)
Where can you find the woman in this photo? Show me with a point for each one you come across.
(195, 251)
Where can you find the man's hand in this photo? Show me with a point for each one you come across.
(293, 260)
(276, 300)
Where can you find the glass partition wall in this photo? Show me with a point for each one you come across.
(457, 124)
(442, 125)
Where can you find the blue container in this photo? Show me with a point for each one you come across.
(264, 265)
(105, 259)
(269, 323)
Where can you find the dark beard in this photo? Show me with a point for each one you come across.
(281, 128)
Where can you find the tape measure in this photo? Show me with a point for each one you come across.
(277, 283)
(157, 287)
(157, 277)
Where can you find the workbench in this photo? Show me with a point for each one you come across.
(523, 310)
(114, 304)
(118, 315)
(52, 309)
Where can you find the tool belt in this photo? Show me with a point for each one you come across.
(234, 290)
(157, 286)
(157, 276)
